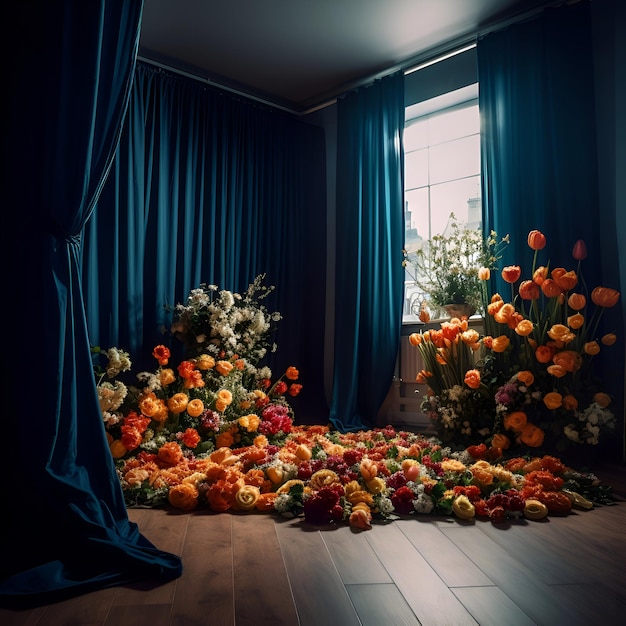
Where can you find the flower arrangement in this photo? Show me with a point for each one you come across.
(543, 344)
(446, 267)
(529, 380)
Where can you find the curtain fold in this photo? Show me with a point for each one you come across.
(66, 529)
(539, 150)
(210, 188)
(370, 236)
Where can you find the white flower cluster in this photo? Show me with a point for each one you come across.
(591, 422)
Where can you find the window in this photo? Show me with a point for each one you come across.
(442, 174)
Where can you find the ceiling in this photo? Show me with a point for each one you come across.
(300, 53)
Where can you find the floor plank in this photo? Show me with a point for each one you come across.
(427, 595)
(379, 604)
(262, 591)
(318, 590)
(490, 606)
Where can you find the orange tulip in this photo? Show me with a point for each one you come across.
(536, 240)
(577, 301)
(511, 273)
(609, 339)
(500, 344)
(529, 290)
(556, 370)
(567, 281)
(494, 307)
(292, 373)
(415, 339)
(550, 288)
(560, 332)
(541, 273)
(575, 321)
(591, 348)
(423, 376)
(504, 313)
(569, 360)
(524, 328)
(424, 316)
(484, 273)
(604, 296)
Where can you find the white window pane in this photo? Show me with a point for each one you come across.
(453, 124)
(461, 197)
(416, 169)
(416, 217)
(455, 159)
(415, 135)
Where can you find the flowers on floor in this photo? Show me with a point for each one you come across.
(529, 380)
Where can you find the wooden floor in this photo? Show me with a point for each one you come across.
(258, 569)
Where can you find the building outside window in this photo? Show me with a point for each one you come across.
(442, 174)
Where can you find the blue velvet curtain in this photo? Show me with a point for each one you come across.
(65, 526)
(539, 152)
(207, 187)
(370, 238)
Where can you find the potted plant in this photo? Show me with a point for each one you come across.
(446, 267)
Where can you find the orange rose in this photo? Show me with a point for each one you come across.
(118, 450)
(494, 307)
(265, 502)
(294, 389)
(178, 403)
(511, 273)
(218, 497)
(526, 377)
(161, 354)
(529, 290)
(224, 440)
(166, 377)
(553, 400)
(183, 496)
(224, 367)
(604, 297)
(205, 362)
(515, 421)
(472, 379)
(195, 407)
(246, 497)
(149, 405)
(543, 354)
(360, 517)
(170, 453)
(532, 436)
(191, 438)
(292, 373)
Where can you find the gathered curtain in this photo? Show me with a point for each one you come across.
(208, 187)
(539, 150)
(65, 525)
(370, 238)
